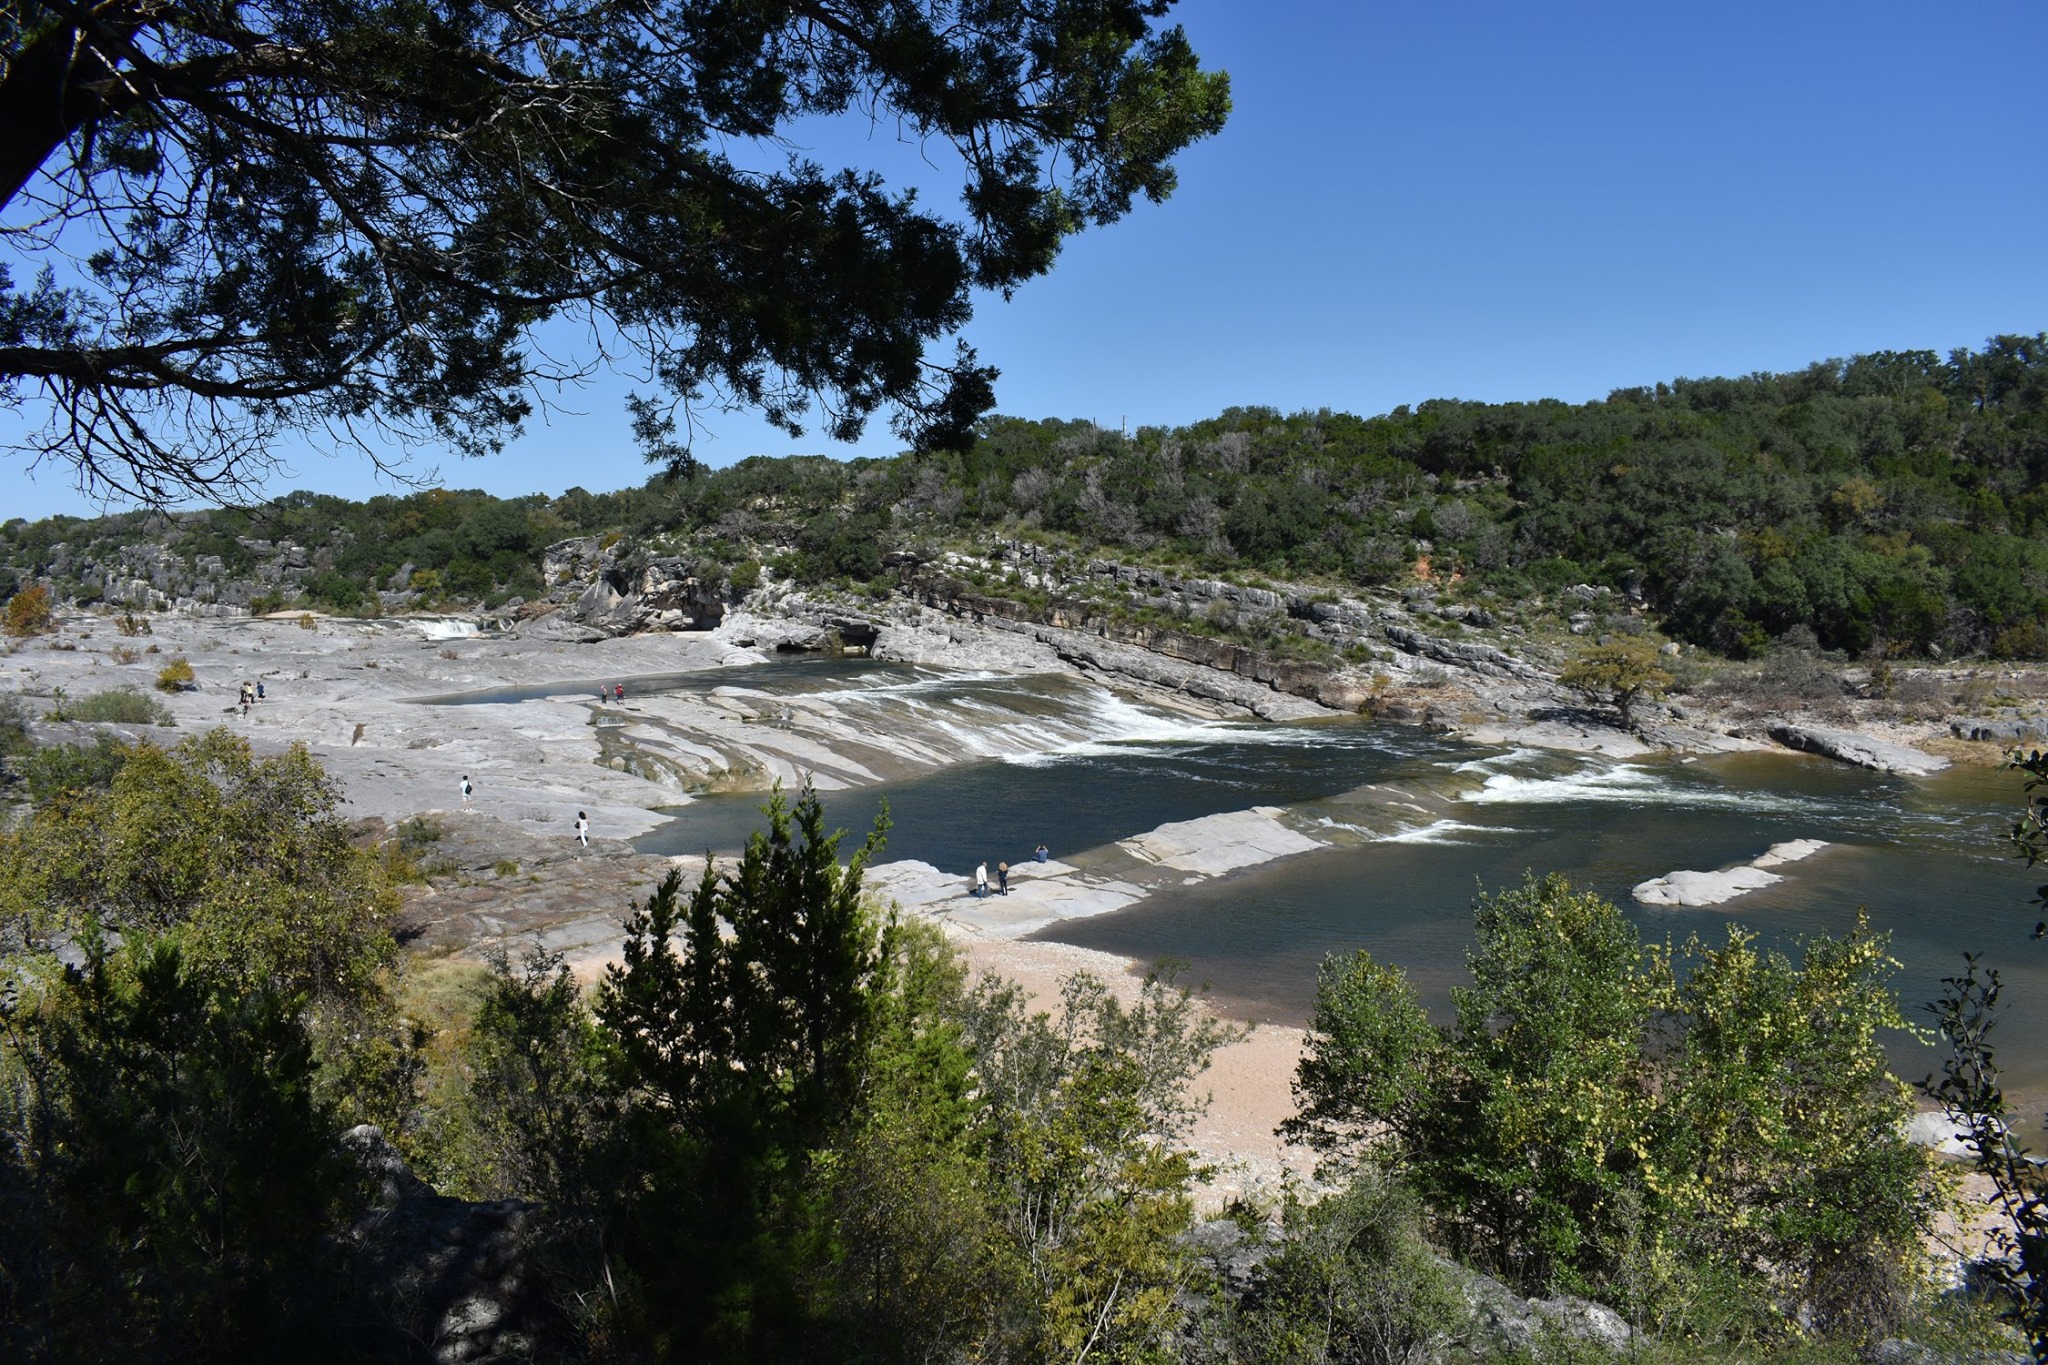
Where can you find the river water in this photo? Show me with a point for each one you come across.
(1422, 823)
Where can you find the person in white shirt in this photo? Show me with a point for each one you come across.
(582, 829)
(981, 881)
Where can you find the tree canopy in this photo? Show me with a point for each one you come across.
(340, 215)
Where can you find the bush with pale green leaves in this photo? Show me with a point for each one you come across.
(1628, 1120)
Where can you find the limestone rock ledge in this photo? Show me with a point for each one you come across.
(1712, 888)
(1862, 750)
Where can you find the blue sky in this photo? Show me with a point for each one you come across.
(1488, 201)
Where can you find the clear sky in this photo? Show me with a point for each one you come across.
(1489, 201)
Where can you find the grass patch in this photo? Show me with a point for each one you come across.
(405, 852)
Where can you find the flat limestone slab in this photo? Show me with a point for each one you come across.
(1791, 851)
(1712, 888)
(1864, 751)
(1220, 843)
(1703, 888)
(1047, 893)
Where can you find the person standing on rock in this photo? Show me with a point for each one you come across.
(259, 689)
(619, 693)
(981, 880)
(466, 790)
(582, 829)
(1003, 878)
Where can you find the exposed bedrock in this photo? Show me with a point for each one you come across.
(1084, 635)
(452, 1279)
(596, 588)
(1848, 746)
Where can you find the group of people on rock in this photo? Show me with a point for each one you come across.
(617, 694)
(1038, 855)
(252, 692)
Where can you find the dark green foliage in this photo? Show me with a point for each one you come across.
(760, 1018)
(167, 1166)
(743, 1026)
(540, 1101)
(334, 592)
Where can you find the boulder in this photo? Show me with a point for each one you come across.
(1712, 888)
(1504, 1319)
(601, 591)
(1467, 654)
(1847, 746)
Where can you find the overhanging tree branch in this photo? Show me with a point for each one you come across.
(309, 213)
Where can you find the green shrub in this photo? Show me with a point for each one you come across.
(2027, 640)
(174, 676)
(1612, 1117)
(335, 590)
(120, 705)
(1352, 1280)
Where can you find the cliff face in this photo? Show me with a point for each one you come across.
(152, 575)
(624, 591)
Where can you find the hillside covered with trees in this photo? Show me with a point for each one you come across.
(1893, 504)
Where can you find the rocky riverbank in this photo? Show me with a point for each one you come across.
(508, 870)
